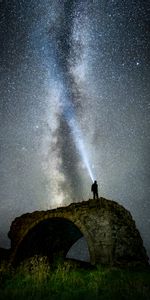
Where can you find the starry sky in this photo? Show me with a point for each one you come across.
(74, 99)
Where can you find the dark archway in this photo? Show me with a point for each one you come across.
(52, 238)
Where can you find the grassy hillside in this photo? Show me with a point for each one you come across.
(36, 280)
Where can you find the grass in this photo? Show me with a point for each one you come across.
(34, 279)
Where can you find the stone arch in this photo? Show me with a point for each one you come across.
(51, 237)
(109, 230)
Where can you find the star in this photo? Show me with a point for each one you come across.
(74, 105)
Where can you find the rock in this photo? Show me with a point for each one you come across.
(108, 228)
(4, 254)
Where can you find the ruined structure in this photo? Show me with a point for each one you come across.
(109, 230)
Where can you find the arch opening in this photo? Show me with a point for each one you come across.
(79, 251)
(53, 238)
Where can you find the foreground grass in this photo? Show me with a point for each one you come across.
(35, 280)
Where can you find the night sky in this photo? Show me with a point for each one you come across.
(74, 97)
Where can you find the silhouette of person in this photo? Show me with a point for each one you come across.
(94, 189)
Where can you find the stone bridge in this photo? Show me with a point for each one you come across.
(108, 228)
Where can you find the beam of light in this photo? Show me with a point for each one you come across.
(80, 146)
(69, 115)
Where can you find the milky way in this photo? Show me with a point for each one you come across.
(72, 73)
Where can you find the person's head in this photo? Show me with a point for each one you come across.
(95, 181)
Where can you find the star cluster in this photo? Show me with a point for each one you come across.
(86, 61)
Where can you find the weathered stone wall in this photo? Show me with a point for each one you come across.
(108, 228)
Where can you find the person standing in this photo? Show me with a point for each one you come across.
(94, 189)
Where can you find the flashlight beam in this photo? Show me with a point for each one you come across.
(80, 146)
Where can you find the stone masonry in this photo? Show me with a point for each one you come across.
(109, 230)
